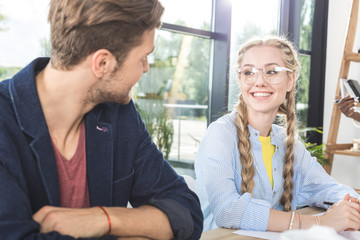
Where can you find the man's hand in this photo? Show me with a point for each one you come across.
(76, 222)
(346, 106)
(135, 223)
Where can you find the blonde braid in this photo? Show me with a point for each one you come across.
(288, 171)
(244, 145)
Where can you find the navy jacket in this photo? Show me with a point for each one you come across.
(123, 164)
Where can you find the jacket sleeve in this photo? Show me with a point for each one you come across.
(157, 184)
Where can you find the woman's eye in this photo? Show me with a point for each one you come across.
(271, 72)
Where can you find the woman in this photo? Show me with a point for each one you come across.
(252, 174)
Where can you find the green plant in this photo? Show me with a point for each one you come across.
(2, 19)
(7, 72)
(316, 150)
(160, 128)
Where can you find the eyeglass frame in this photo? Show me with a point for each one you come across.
(238, 70)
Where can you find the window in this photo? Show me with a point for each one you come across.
(173, 97)
(307, 25)
(249, 20)
(176, 88)
(192, 80)
(189, 13)
(24, 34)
(293, 19)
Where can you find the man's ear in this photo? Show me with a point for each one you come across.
(102, 62)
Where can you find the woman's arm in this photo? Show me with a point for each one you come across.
(341, 216)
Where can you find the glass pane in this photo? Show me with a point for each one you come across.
(173, 95)
(188, 13)
(249, 19)
(302, 96)
(24, 34)
(307, 15)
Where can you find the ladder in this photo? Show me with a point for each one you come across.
(349, 56)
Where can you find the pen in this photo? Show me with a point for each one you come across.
(338, 100)
(332, 203)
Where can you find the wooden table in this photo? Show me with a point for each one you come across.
(227, 234)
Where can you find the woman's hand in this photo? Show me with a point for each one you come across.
(343, 215)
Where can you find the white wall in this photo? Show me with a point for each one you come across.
(346, 169)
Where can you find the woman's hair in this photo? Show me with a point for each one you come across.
(290, 58)
(81, 27)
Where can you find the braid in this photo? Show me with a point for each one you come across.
(244, 145)
(288, 171)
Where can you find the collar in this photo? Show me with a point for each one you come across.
(277, 134)
(25, 100)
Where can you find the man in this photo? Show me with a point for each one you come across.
(73, 148)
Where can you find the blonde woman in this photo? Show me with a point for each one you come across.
(251, 173)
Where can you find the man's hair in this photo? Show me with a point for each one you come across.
(81, 27)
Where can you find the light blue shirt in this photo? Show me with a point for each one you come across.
(218, 173)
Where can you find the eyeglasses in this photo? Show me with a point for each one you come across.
(272, 74)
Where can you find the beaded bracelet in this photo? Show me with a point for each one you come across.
(292, 220)
(108, 217)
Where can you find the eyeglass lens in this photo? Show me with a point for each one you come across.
(272, 74)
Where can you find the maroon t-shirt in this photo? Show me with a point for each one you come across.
(72, 176)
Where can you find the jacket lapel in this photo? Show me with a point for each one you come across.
(99, 160)
(30, 117)
(44, 153)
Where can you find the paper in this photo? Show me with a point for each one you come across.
(349, 87)
(312, 233)
(352, 235)
(258, 234)
(344, 92)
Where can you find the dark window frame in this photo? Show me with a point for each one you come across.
(290, 26)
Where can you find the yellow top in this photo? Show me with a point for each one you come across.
(268, 151)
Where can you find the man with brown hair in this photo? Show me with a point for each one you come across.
(73, 149)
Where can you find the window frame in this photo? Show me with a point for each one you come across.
(290, 25)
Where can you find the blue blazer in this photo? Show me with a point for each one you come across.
(123, 164)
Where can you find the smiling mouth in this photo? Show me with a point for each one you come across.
(262, 94)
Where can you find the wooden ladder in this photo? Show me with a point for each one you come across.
(349, 56)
